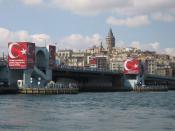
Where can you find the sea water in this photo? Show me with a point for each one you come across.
(116, 111)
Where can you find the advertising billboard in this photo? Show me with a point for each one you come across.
(132, 66)
(52, 53)
(21, 55)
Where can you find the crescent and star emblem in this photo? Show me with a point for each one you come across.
(10, 50)
(23, 51)
(126, 62)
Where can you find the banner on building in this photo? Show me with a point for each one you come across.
(52, 53)
(93, 61)
(21, 55)
(132, 66)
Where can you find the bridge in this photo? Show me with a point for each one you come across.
(151, 79)
(3, 82)
(3, 75)
(36, 67)
(3, 63)
(89, 79)
(86, 70)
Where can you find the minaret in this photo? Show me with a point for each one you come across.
(101, 47)
(110, 41)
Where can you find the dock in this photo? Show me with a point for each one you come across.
(152, 88)
(48, 91)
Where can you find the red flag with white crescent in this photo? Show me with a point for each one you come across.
(20, 55)
(17, 51)
(131, 66)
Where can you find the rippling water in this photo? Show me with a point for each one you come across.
(89, 111)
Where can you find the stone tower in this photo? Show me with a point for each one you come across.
(110, 41)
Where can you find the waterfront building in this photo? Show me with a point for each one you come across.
(78, 59)
(116, 61)
(64, 53)
(163, 65)
(164, 70)
(98, 61)
(91, 61)
(63, 56)
(102, 62)
(93, 50)
(151, 66)
(96, 50)
(172, 65)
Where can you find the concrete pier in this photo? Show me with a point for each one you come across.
(151, 88)
(48, 91)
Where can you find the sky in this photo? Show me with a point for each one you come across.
(81, 24)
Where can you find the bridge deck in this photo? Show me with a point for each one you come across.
(86, 70)
(158, 77)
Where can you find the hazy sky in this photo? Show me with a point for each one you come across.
(79, 24)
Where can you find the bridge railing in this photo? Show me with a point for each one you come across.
(85, 69)
(159, 77)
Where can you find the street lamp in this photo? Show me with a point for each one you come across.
(43, 40)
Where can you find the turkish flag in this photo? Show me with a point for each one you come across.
(17, 50)
(17, 55)
(131, 66)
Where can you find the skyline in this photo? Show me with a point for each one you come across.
(80, 24)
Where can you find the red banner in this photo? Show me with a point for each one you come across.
(132, 66)
(52, 52)
(21, 55)
(92, 61)
(31, 55)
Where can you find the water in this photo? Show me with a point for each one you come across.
(88, 112)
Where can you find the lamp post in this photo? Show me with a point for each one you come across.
(31, 81)
(43, 40)
(39, 81)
